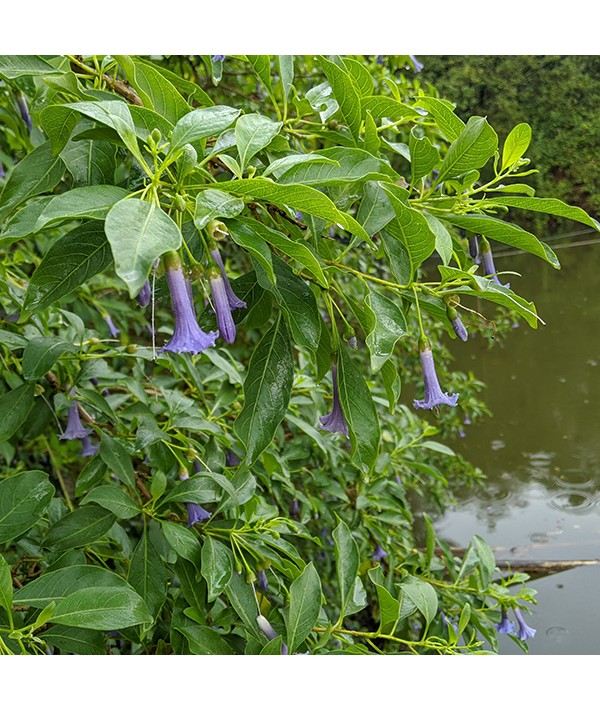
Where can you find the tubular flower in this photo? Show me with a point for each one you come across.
(187, 337)
(418, 66)
(87, 448)
(231, 459)
(24, 111)
(234, 302)
(524, 632)
(487, 259)
(474, 246)
(143, 298)
(267, 629)
(505, 626)
(433, 392)
(457, 324)
(218, 57)
(225, 320)
(112, 329)
(378, 554)
(263, 582)
(74, 430)
(196, 513)
(335, 420)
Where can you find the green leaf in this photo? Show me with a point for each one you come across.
(253, 132)
(192, 586)
(102, 609)
(487, 561)
(89, 202)
(261, 63)
(79, 528)
(155, 90)
(183, 541)
(412, 229)
(389, 607)
(267, 390)
(15, 406)
(391, 383)
(6, 586)
(549, 206)
(423, 156)
(443, 113)
(118, 460)
(388, 324)
(472, 149)
(360, 75)
(286, 72)
(422, 595)
(71, 261)
(504, 232)
(300, 197)
(113, 498)
(14, 66)
(38, 172)
(58, 584)
(41, 354)
(148, 575)
(212, 204)
(372, 142)
(385, 107)
(351, 165)
(114, 114)
(443, 239)
(346, 94)
(346, 561)
(202, 123)
(359, 411)
(242, 598)
(204, 640)
(282, 165)
(305, 605)
(375, 210)
(58, 123)
(517, 142)
(71, 640)
(139, 232)
(90, 162)
(195, 490)
(22, 223)
(217, 566)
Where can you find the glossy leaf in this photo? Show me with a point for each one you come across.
(202, 123)
(204, 640)
(385, 107)
(115, 115)
(139, 232)
(267, 390)
(423, 156)
(517, 142)
(253, 132)
(182, 540)
(90, 162)
(114, 499)
(102, 609)
(305, 605)
(41, 354)
(79, 528)
(212, 204)
(73, 640)
(472, 149)
(351, 165)
(90, 202)
(549, 206)
(217, 566)
(443, 113)
(422, 595)
(71, 261)
(13, 66)
(118, 460)
(346, 562)
(6, 585)
(15, 406)
(387, 325)
(346, 95)
(148, 575)
(359, 410)
(375, 210)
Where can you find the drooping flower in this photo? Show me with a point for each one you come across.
(112, 329)
(379, 59)
(143, 298)
(505, 626)
(24, 111)
(196, 513)
(418, 66)
(269, 632)
(74, 429)
(187, 337)
(433, 392)
(218, 57)
(87, 448)
(225, 320)
(474, 247)
(457, 325)
(263, 582)
(231, 459)
(524, 632)
(487, 259)
(2, 171)
(378, 554)
(335, 421)
(234, 302)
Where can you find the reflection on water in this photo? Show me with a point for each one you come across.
(541, 450)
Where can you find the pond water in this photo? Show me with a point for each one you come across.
(541, 450)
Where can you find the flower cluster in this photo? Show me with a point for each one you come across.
(505, 626)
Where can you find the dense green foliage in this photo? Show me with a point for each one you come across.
(559, 96)
(140, 386)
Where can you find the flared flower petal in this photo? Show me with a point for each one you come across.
(379, 553)
(505, 626)
(433, 392)
(87, 448)
(335, 421)
(74, 429)
(418, 66)
(225, 320)
(524, 632)
(196, 514)
(187, 337)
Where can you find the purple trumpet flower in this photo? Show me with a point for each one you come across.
(263, 583)
(433, 392)
(143, 298)
(474, 246)
(524, 632)
(231, 459)
(505, 626)
(74, 430)
(378, 554)
(418, 66)
(267, 629)
(24, 111)
(87, 448)
(218, 57)
(187, 337)
(234, 302)
(335, 420)
(113, 330)
(489, 268)
(457, 324)
(196, 513)
(225, 320)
